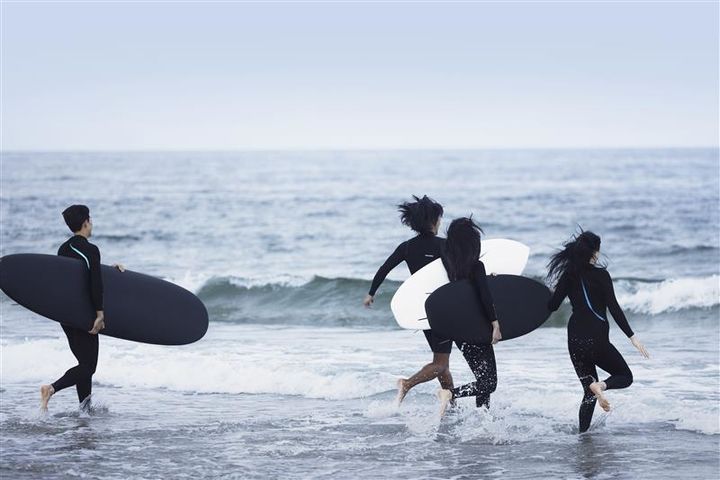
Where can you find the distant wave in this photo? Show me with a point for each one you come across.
(672, 295)
(337, 301)
(323, 301)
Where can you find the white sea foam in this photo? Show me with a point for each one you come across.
(672, 295)
(337, 365)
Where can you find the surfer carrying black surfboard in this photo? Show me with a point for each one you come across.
(83, 343)
(423, 215)
(591, 293)
(461, 260)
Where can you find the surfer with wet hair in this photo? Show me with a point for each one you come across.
(461, 260)
(83, 344)
(423, 216)
(589, 286)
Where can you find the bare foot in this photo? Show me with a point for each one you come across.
(46, 391)
(596, 388)
(403, 388)
(445, 397)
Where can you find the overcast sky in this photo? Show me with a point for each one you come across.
(223, 76)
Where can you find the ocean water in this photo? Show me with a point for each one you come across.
(295, 379)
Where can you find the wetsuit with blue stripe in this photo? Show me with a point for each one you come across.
(592, 294)
(83, 345)
(416, 253)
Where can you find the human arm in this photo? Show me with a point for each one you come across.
(481, 286)
(618, 314)
(96, 289)
(613, 305)
(392, 261)
(561, 291)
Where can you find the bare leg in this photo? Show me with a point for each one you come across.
(445, 377)
(432, 370)
(46, 391)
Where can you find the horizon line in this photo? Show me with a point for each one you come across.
(343, 149)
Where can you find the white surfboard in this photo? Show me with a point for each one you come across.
(499, 255)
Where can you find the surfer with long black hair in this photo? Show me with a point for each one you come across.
(461, 259)
(423, 216)
(589, 286)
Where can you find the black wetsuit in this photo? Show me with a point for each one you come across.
(480, 358)
(591, 295)
(416, 253)
(83, 344)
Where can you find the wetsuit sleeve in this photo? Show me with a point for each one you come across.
(481, 285)
(613, 305)
(561, 291)
(393, 261)
(96, 283)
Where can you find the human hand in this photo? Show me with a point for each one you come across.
(496, 335)
(368, 301)
(99, 323)
(641, 348)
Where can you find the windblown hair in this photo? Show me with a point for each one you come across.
(462, 248)
(574, 256)
(420, 215)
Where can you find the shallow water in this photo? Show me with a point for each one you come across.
(295, 380)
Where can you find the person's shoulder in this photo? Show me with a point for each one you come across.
(601, 272)
(85, 243)
(63, 247)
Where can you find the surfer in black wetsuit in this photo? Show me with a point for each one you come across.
(591, 293)
(83, 344)
(460, 257)
(423, 215)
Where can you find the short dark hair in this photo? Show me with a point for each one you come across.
(421, 214)
(75, 216)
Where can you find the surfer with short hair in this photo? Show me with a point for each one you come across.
(589, 286)
(423, 216)
(461, 260)
(83, 344)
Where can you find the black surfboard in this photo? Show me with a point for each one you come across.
(454, 310)
(138, 307)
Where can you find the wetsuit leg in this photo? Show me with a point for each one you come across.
(481, 360)
(610, 360)
(581, 355)
(85, 348)
(437, 344)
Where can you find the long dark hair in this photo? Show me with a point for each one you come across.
(420, 215)
(462, 248)
(574, 256)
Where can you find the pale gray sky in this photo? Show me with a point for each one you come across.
(125, 76)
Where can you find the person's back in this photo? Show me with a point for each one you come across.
(422, 250)
(416, 252)
(591, 295)
(80, 248)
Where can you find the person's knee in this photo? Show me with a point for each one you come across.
(439, 368)
(88, 369)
